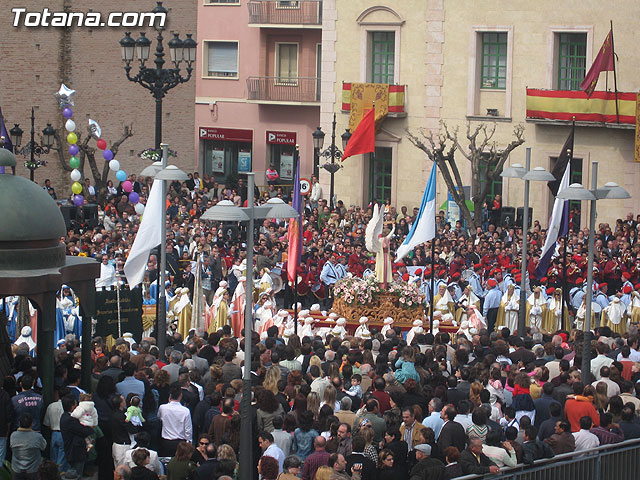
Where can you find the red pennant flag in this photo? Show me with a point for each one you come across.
(363, 139)
(602, 63)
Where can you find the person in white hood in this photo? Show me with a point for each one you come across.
(388, 325)
(415, 330)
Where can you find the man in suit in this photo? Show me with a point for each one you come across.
(452, 434)
(562, 441)
(411, 430)
(473, 461)
(453, 394)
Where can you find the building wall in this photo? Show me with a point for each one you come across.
(223, 102)
(417, 66)
(531, 58)
(439, 62)
(37, 60)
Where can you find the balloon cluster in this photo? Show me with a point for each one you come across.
(65, 100)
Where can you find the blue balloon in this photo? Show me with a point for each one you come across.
(108, 155)
(121, 175)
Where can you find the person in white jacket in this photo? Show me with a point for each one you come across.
(316, 192)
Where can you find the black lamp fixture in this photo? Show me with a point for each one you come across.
(32, 150)
(158, 80)
(331, 153)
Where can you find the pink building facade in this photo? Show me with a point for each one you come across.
(257, 86)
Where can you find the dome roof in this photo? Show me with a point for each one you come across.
(31, 222)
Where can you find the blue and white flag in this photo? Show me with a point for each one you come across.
(558, 226)
(424, 227)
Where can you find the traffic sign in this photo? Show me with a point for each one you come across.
(305, 186)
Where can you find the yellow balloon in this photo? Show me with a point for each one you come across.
(76, 188)
(72, 138)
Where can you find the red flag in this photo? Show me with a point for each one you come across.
(602, 63)
(294, 235)
(363, 139)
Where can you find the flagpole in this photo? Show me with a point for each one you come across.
(565, 293)
(296, 159)
(433, 280)
(615, 79)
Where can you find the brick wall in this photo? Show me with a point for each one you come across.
(36, 60)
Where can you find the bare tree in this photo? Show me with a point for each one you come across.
(87, 154)
(484, 155)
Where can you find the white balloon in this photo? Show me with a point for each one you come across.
(76, 175)
(114, 165)
(70, 125)
(139, 208)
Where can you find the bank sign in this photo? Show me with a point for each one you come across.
(281, 138)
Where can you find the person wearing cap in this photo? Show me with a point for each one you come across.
(613, 316)
(509, 308)
(443, 301)
(362, 331)
(416, 329)
(427, 468)
(388, 325)
(556, 312)
(536, 308)
(491, 303)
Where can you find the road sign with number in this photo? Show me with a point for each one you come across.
(305, 186)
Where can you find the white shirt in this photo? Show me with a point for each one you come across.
(585, 440)
(634, 356)
(599, 362)
(464, 420)
(613, 388)
(276, 452)
(154, 464)
(107, 276)
(52, 417)
(176, 421)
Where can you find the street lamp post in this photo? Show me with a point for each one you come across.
(575, 191)
(163, 173)
(158, 80)
(225, 210)
(525, 173)
(32, 149)
(330, 153)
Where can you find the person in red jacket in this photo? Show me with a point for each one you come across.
(578, 406)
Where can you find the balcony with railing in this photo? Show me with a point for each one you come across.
(284, 90)
(561, 107)
(285, 13)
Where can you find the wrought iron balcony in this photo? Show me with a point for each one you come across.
(284, 90)
(286, 13)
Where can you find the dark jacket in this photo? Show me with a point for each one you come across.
(535, 450)
(452, 434)
(369, 470)
(73, 435)
(143, 473)
(6, 413)
(428, 469)
(561, 443)
(470, 464)
(454, 396)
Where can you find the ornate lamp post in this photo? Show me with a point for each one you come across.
(32, 149)
(575, 191)
(158, 80)
(332, 152)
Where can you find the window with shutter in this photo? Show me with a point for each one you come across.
(222, 59)
(287, 63)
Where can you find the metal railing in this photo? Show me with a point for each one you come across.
(283, 89)
(285, 12)
(618, 461)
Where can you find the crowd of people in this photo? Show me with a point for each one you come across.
(440, 401)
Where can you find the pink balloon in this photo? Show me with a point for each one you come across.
(127, 186)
